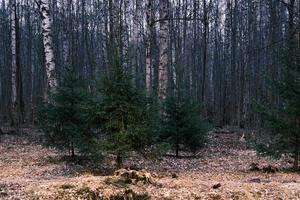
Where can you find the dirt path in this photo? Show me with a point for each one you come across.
(30, 171)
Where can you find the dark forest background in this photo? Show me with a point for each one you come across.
(224, 53)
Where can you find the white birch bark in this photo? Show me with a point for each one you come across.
(148, 46)
(48, 45)
(14, 55)
(163, 51)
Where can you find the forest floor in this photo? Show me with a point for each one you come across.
(220, 171)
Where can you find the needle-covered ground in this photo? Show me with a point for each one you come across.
(220, 171)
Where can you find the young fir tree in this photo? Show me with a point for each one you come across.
(183, 124)
(62, 117)
(283, 122)
(122, 115)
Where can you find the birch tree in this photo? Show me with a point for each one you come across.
(163, 50)
(16, 78)
(44, 8)
(13, 25)
(149, 19)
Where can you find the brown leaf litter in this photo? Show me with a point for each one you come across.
(221, 171)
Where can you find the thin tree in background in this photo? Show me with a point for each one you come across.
(163, 50)
(136, 38)
(16, 89)
(13, 61)
(149, 19)
(205, 36)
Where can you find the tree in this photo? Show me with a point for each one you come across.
(48, 45)
(16, 79)
(63, 118)
(183, 125)
(163, 50)
(121, 113)
(136, 38)
(282, 120)
(283, 123)
(149, 19)
(205, 38)
(13, 60)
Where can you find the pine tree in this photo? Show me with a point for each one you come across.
(122, 114)
(183, 124)
(62, 117)
(283, 122)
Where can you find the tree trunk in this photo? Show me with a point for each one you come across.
(163, 50)
(177, 150)
(119, 160)
(206, 25)
(72, 150)
(16, 89)
(296, 153)
(48, 46)
(14, 113)
(148, 45)
(137, 24)
(296, 160)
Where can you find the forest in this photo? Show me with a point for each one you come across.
(149, 99)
